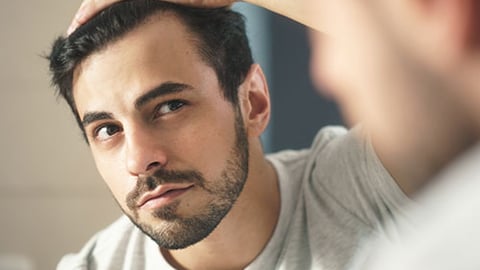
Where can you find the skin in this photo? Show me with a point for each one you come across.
(135, 141)
(409, 70)
(304, 11)
(383, 63)
(408, 91)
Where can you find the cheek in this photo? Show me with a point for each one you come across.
(207, 144)
(114, 175)
(343, 73)
(343, 60)
(317, 61)
(331, 69)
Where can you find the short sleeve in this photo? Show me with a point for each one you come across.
(347, 174)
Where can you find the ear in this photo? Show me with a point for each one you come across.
(254, 101)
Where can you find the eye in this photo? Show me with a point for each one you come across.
(168, 107)
(104, 132)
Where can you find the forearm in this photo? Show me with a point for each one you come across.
(307, 12)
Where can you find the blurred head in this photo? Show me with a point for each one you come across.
(170, 104)
(403, 68)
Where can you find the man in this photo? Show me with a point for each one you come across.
(172, 107)
(410, 70)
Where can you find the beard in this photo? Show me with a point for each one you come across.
(177, 232)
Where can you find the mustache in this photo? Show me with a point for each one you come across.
(160, 177)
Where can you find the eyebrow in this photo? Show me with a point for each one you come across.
(91, 117)
(161, 90)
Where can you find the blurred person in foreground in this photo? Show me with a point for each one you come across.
(410, 71)
(172, 106)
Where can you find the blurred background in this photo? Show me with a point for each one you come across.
(51, 198)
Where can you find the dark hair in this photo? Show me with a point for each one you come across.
(219, 34)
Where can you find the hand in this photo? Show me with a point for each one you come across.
(203, 3)
(89, 8)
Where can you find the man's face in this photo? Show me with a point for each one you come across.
(172, 150)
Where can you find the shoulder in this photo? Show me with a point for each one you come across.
(330, 144)
(337, 141)
(323, 137)
(106, 245)
(345, 170)
(343, 152)
(328, 134)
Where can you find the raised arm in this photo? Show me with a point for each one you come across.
(308, 12)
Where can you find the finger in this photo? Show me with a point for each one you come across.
(88, 9)
(203, 3)
(92, 7)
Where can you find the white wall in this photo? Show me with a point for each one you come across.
(51, 197)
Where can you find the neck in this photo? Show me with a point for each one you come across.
(244, 231)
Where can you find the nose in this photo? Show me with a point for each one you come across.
(144, 152)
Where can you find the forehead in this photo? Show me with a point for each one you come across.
(162, 37)
(160, 50)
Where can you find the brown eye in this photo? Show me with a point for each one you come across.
(106, 131)
(170, 106)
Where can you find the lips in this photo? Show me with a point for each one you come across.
(164, 193)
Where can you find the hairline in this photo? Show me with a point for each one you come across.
(161, 14)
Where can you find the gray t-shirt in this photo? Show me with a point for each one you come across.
(443, 232)
(333, 195)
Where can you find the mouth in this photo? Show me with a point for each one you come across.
(162, 195)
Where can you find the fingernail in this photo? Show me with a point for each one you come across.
(72, 28)
(80, 14)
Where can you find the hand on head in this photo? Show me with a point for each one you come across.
(89, 8)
